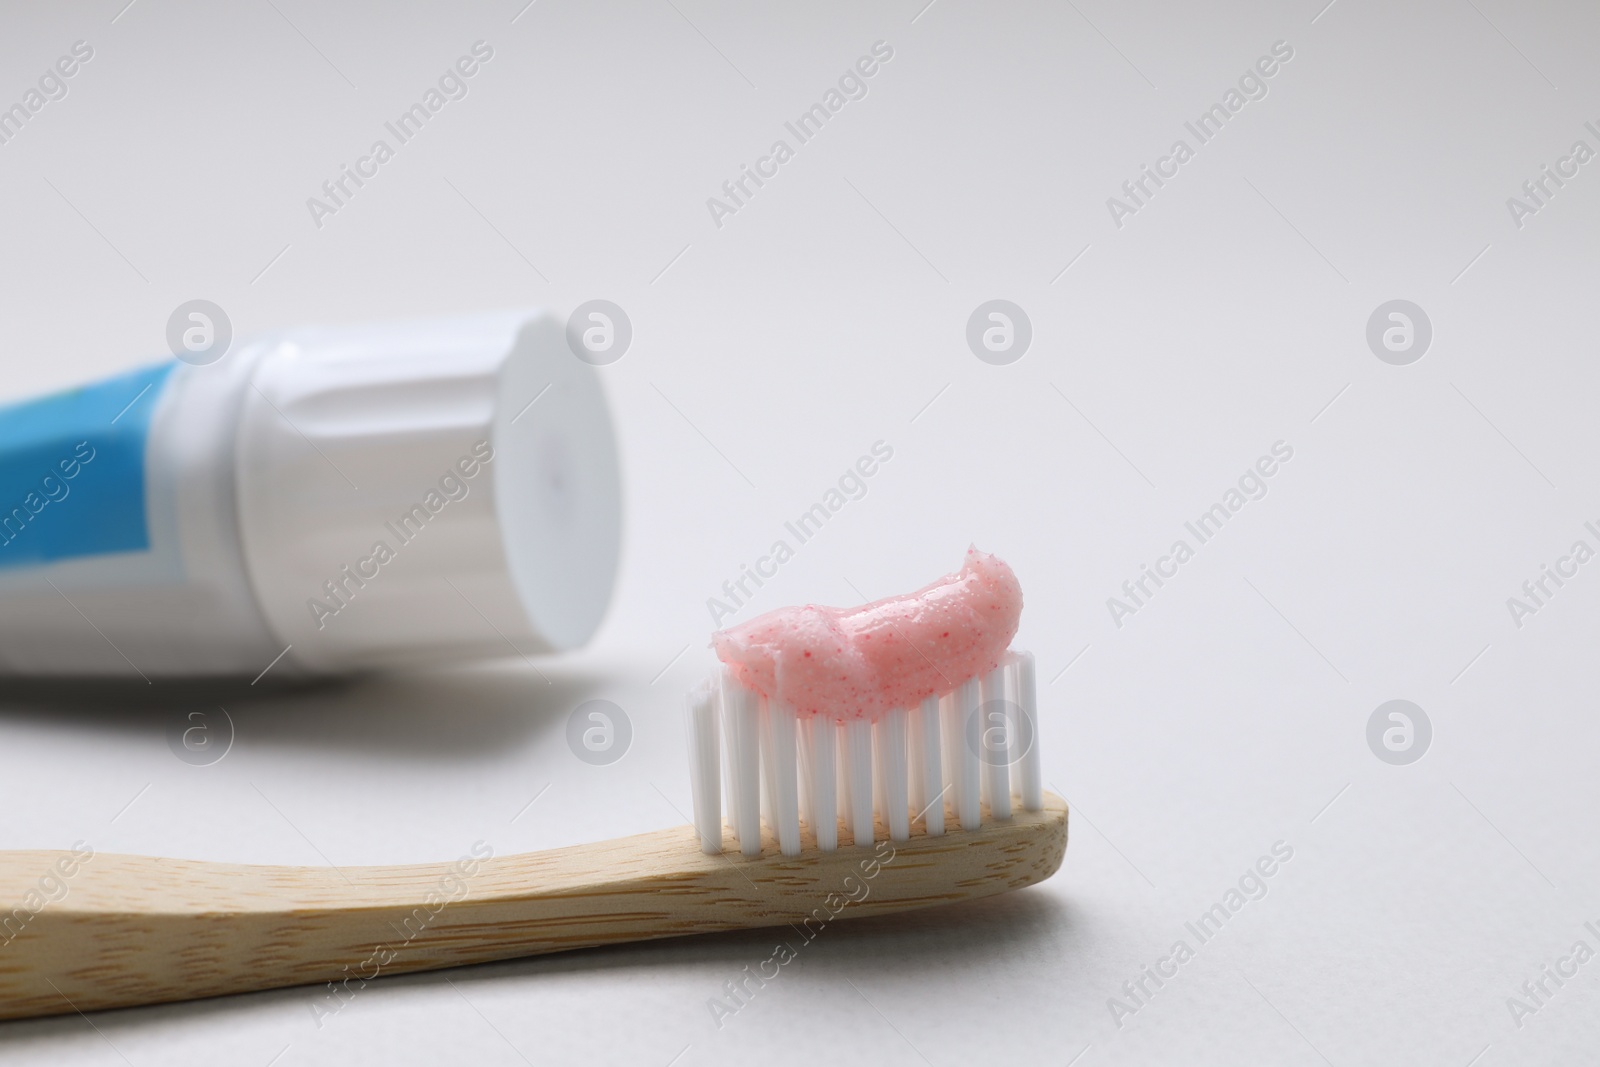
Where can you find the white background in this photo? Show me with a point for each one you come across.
(768, 354)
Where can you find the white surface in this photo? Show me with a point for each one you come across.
(827, 314)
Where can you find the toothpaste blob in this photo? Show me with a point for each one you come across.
(857, 663)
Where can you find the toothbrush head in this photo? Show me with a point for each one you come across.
(959, 760)
(905, 717)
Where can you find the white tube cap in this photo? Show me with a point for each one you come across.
(426, 492)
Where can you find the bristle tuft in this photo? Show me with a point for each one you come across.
(971, 755)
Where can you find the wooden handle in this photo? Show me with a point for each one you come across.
(129, 930)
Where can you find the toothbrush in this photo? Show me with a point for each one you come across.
(867, 810)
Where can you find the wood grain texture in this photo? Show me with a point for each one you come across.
(139, 930)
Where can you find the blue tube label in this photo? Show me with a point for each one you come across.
(72, 470)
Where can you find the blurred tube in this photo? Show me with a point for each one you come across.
(342, 498)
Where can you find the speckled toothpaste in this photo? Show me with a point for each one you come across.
(859, 663)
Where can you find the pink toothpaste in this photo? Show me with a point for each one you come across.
(860, 663)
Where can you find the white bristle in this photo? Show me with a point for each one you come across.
(740, 708)
(730, 794)
(927, 767)
(802, 748)
(705, 768)
(969, 748)
(1029, 771)
(822, 797)
(916, 777)
(783, 796)
(842, 763)
(858, 772)
(878, 805)
(995, 729)
(961, 756)
(892, 784)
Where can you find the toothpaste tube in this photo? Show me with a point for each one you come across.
(320, 501)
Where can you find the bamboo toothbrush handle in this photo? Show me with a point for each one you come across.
(105, 931)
